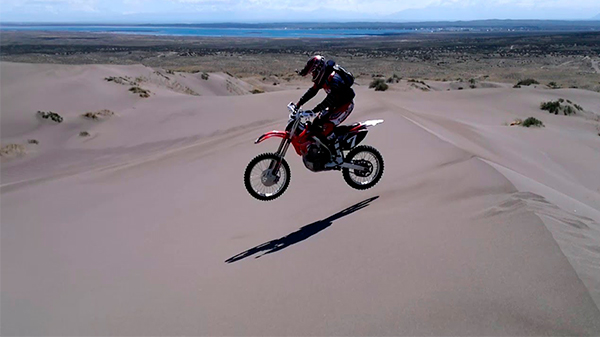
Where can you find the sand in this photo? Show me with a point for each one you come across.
(144, 226)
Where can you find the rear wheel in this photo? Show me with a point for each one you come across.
(261, 180)
(369, 158)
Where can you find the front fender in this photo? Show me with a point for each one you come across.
(271, 134)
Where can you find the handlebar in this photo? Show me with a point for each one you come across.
(300, 116)
(295, 112)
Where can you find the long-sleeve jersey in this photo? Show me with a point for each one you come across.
(338, 91)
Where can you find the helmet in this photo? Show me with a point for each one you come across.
(315, 65)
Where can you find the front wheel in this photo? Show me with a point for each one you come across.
(369, 158)
(261, 180)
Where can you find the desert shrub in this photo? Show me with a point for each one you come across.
(158, 73)
(84, 134)
(98, 114)
(532, 121)
(124, 80)
(526, 82)
(472, 86)
(393, 79)
(119, 80)
(552, 107)
(33, 141)
(50, 115)
(257, 91)
(472, 81)
(553, 85)
(379, 85)
(412, 80)
(566, 107)
(205, 76)
(569, 110)
(169, 71)
(142, 92)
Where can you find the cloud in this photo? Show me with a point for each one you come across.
(71, 5)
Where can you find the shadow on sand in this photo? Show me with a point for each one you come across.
(299, 235)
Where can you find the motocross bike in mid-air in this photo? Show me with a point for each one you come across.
(268, 175)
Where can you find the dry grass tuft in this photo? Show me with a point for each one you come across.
(12, 150)
(50, 115)
(144, 93)
(97, 115)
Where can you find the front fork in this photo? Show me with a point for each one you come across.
(281, 151)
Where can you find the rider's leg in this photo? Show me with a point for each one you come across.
(335, 118)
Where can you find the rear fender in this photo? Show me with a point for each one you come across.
(366, 125)
(271, 134)
(357, 134)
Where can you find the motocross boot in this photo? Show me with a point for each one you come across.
(336, 153)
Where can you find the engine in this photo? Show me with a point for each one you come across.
(316, 158)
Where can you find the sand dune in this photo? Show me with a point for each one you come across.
(145, 228)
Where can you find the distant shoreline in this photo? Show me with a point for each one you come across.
(327, 30)
(201, 31)
(404, 27)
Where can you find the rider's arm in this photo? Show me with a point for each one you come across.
(310, 93)
(328, 102)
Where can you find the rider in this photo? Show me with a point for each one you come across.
(335, 108)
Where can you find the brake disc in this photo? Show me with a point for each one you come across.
(366, 164)
(268, 179)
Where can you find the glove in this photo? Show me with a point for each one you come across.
(292, 107)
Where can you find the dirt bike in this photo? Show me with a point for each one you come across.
(268, 175)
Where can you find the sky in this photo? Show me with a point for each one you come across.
(197, 11)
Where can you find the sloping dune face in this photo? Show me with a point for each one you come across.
(143, 226)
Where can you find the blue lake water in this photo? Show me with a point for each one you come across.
(215, 32)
